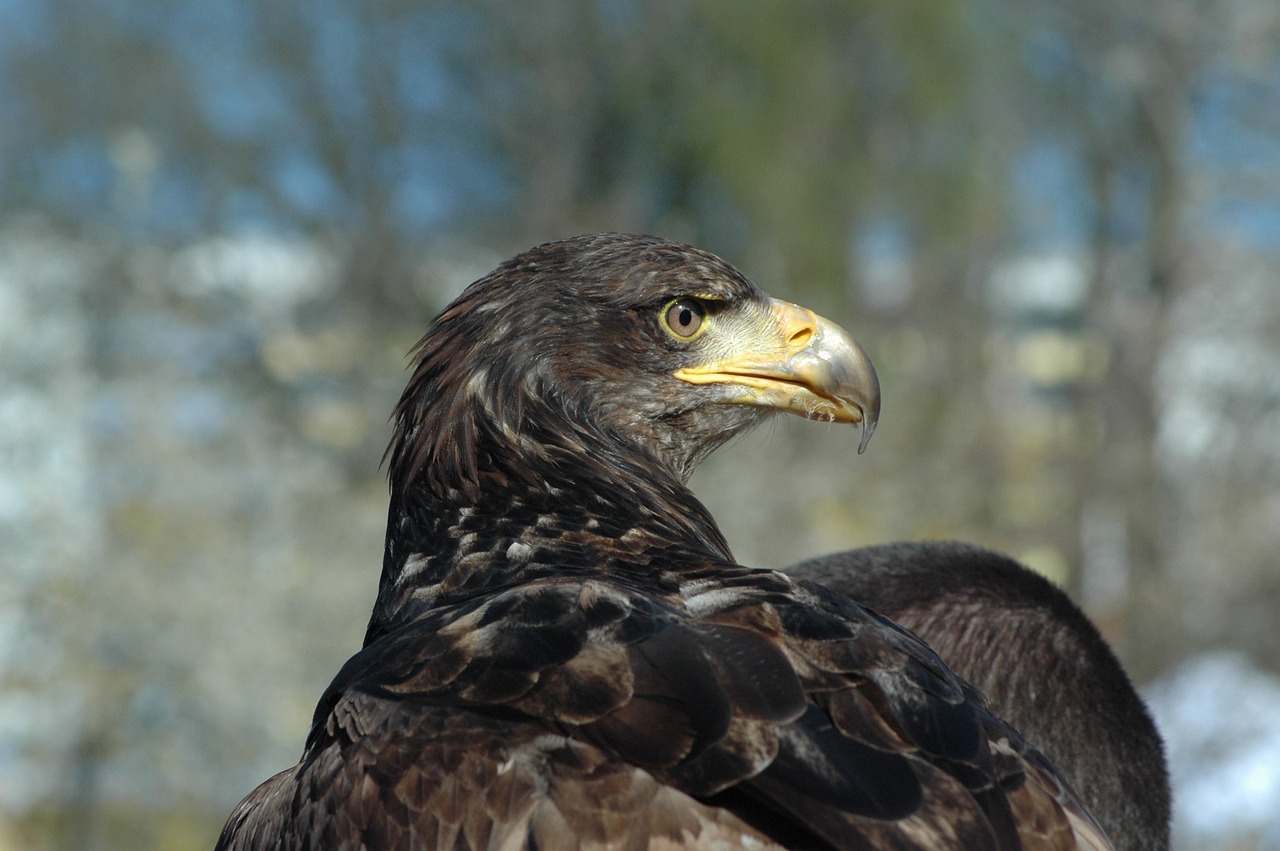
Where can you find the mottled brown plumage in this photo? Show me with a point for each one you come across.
(563, 653)
(1038, 659)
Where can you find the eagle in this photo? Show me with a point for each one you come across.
(563, 652)
(1040, 662)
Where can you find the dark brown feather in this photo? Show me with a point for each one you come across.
(1038, 659)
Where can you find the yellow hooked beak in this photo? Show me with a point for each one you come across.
(796, 361)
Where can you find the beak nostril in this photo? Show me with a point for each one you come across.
(801, 337)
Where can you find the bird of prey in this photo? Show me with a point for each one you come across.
(1041, 663)
(563, 653)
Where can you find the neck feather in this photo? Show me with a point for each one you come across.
(501, 506)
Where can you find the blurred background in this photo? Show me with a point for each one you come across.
(1054, 224)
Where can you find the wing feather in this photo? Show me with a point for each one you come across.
(589, 715)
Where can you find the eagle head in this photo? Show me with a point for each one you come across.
(618, 346)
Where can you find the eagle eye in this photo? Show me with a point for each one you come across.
(683, 317)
